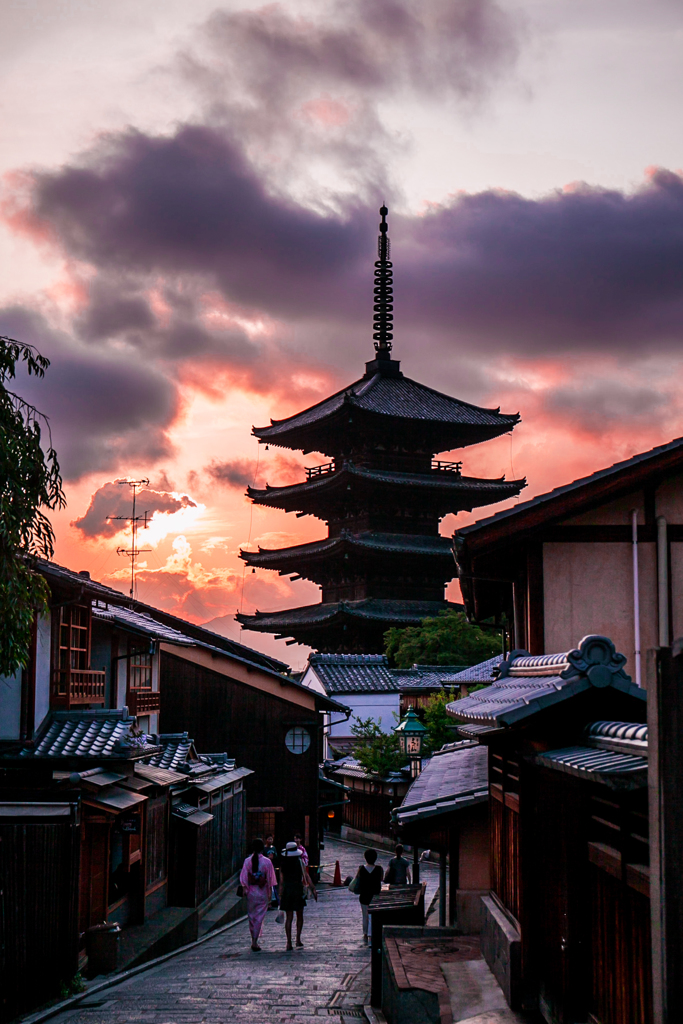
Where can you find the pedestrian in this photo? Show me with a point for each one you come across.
(300, 846)
(368, 884)
(257, 878)
(294, 879)
(398, 872)
(271, 853)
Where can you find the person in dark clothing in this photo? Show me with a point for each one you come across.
(398, 872)
(369, 877)
(294, 880)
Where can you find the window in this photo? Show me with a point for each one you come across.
(74, 637)
(298, 740)
(140, 670)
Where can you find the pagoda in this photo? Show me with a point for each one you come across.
(381, 493)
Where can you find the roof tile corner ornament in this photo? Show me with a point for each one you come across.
(384, 293)
(598, 659)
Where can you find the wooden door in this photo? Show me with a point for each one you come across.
(94, 871)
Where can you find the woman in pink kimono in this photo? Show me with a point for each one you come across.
(257, 877)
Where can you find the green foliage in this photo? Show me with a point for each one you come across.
(437, 722)
(29, 481)
(447, 639)
(376, 751)
(72, 987)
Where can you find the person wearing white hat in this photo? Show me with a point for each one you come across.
(294, 880)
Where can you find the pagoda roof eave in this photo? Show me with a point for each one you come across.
(370, 543)
(308, 618)
(444, 483)
(387, 399)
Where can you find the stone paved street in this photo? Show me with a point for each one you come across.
(223, 981)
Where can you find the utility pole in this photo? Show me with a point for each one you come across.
(134, 520)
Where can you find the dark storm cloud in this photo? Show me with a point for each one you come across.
(104, 407)
(235, 473)
(596, 405)
(114, 499)
(582, 269)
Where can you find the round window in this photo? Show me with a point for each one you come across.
(298, 740)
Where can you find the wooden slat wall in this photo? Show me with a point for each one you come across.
(505, 835)
(157, 840)
(38, 924)
(369, 812)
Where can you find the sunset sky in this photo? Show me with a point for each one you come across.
(189, 220)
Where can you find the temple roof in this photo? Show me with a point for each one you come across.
(388, 397)
(370, 543)
(371, 609)
(450, 490)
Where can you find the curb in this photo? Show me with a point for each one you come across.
(116, 979)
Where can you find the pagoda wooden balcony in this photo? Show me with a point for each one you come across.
(448, 467)
(313, 471)
(76, 686)
(143, 702)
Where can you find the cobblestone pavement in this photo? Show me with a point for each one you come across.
(222, 981)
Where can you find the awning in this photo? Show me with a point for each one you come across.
(116, 799)
(215, 782)
(186, 812)
(159, 776)
(35, 810)
(96, 778)
(136, 784)
(456, 803)
(617, 770)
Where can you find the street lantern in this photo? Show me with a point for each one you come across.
(411, 734)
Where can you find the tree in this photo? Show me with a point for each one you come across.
(376, 751)
(447, 639)
(30, 481)
(439, 726)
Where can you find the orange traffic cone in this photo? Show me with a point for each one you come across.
(337, 875)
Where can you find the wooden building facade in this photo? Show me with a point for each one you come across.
(566, 927)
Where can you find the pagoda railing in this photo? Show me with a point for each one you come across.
(449, 467)
(313, 471)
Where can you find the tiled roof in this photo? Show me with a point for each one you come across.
(141, 623)
(519, 510)
(398, 612)
(86, 734)
(353, 673)
(159, 776)
(616, 769)
(176, 751)
(395, 396)
(427, 677)
(528, 684)
(349, 767)
(481, 673)
(455, 777)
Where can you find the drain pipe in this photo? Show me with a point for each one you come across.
(663, 580)
(636, 594)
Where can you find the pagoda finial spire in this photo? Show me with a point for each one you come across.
(384, 292)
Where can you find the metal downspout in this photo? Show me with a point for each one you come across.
(636, 595)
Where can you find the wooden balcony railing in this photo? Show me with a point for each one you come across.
(144, 702)
(313, 471)
(449, 467)
(78, 686)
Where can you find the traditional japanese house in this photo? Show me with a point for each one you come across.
(566, 927)
(365, 684)
(446, 811)
(603, 554)
(381, 493)
(371, 800)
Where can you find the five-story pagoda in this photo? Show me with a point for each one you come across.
(381, 493)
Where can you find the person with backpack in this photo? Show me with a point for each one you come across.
(257, 878)
(366, 884)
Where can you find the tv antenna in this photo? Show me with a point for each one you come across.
(135, 520)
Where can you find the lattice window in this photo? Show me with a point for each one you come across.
(140, 670)
(74, 637)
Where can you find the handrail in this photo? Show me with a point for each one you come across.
(313, 471)
(79, 686)
(450, 467)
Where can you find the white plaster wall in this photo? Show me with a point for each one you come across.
(588, 588)
(614, 513)
(367, 705)
(43, 662)
(311, 680)
(669, 499)
(676, 590)
(10, 706)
